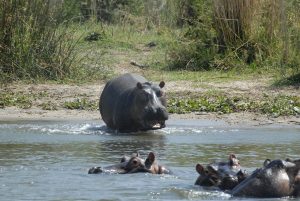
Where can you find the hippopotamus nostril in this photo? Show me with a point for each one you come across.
(162, 113)
(95, 170)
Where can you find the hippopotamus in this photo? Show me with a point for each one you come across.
(294, 175)
(275, 179)
(133, 164)
(224, 175)
(130, 103)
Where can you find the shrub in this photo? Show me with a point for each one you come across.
(227, 34)
(33, 44)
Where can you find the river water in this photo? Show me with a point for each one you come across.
(49, 160)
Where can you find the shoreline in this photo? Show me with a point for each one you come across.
(240, 119)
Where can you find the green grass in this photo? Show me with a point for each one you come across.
(119, 45)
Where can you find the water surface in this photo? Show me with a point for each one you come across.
(49, 160)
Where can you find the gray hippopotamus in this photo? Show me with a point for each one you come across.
(133, 164)
(294, 175)
(275, 179)
(224, 175)
(130, 103)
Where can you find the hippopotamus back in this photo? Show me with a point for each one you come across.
(130, 103)
(270, 181)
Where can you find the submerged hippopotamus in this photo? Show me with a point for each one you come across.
(294, 175)
(278, 178)
(224, 175)
(130, 103)
(133, 164)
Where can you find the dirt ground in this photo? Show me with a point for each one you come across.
(58, 94)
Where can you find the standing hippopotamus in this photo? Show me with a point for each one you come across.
(224, 175)
(272, 180)
(130, 103)
(133, 164)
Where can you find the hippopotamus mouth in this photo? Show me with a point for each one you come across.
(153, 125)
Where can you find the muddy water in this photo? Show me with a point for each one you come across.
(49, 160)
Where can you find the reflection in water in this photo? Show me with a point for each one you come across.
(50, 160)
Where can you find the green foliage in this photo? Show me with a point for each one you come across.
(291, 80)
(223, 35)
(20, 100)
(113, 11)
(32, 43)
(196, 48)
(275, 106)
(81, 104)
(48, 106)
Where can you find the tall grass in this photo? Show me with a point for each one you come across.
(33, 45)
(241, 34)
(233, 19)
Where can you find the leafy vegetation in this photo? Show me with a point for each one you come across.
(20, 100)
(240, 34)
(79, 41)
(217, 102)
(275, 106)
(32, 45)
(81, 104)
(41, 40)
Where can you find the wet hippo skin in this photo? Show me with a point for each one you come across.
(133, 164)
(130, 103)
(273, 180)
(224, 175)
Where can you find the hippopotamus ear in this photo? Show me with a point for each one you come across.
(266, 162)
(162, 84)
(150, 160)
(151, 156)
(200, 169)
(139, 85)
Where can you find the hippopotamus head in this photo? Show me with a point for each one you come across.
(149, 106)
(270, 181)
(224, 175)
(132, 164)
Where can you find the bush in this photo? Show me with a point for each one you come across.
(196, 49)
(226, 34)
(33, 44)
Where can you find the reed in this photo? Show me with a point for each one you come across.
(233, 19)
(33, 45)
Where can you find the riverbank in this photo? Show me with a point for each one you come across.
(80, 102)
(240, 119)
